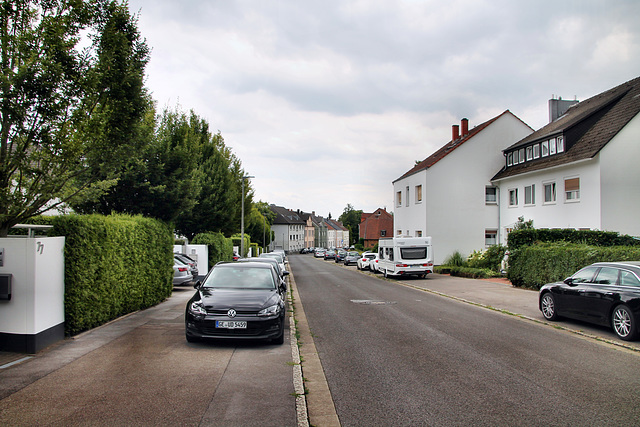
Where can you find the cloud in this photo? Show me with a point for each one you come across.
(326, 103)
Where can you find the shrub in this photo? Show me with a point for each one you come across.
(534, 265)
(519, 238)
(220, 248)
(488, 259)
(114, 265)
(456, 259)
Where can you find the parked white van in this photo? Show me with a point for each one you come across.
(404, 256)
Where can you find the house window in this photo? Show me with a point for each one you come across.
(552, 146)
(418, 233)
(490, 195)
(536, 151)
(550, 192)
(407, 196)
(399, 199)
(510, 159)
(490, 237)
(530, 195)
(529, 153)
(383, 233)
(545, 148)
(521, 155)
(560, 144)
(513, 197)
(572, 189)
(418, 193)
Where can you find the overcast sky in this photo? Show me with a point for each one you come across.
(327, 102)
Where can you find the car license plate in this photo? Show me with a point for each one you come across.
(231, 324)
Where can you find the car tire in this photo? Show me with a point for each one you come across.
(358, 267)
(385, 273)
(623, 323)
(548, 306)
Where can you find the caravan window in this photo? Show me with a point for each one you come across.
(413, 253)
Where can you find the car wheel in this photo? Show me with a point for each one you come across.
(548, 306)
(357, 266)
(623, 323)
(385, 273)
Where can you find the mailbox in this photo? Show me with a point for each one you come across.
(5, 286)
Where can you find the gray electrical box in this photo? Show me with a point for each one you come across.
(5, 286)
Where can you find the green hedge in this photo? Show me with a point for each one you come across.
(533, 266)
(469, 272)
(519, 238)
(220, 248)
(114, 265)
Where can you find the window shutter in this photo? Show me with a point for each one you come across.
(572, 184)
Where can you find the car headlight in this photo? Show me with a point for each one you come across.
(274, 310)
(196, 308)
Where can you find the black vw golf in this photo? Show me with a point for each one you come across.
(238, 300)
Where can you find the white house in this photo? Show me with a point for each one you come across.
(288, 228)
(449, 195)
(580, 171)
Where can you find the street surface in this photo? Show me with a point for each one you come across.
(394, 355)
(140, 370)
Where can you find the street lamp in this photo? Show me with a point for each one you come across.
(242, 217)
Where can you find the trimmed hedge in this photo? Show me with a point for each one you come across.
(520, 238)
(114, 265)
(468, 272)
(535, 265)
(220, 248)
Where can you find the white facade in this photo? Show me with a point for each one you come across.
(453, 209)
(289, 237)
(620, 181)
(609, 189)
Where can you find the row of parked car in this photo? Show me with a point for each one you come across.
(364, 261)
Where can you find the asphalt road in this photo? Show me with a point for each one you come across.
(140, 370)
(394, 355)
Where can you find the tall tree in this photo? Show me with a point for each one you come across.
(57, 100)
(161, 180)
(258, 224)
(350, 218)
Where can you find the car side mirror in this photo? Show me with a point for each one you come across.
(197, 284)
(285, 273)
(569, 281)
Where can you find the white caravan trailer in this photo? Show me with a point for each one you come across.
(404, 256)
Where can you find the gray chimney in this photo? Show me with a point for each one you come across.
(557, 107)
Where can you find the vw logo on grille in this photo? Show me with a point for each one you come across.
(231, 313)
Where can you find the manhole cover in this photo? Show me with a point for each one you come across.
(372, 302)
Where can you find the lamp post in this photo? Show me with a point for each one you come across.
(242, 217)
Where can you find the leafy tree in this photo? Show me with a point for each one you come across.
(64, 111)
(161, 180)
(258, 224)
(350, 218)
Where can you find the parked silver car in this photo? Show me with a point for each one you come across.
(181, 273)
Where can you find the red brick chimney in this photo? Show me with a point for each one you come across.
(455, 132)
(465, 127)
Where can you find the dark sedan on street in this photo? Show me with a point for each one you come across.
(604, 293)
(237, 300)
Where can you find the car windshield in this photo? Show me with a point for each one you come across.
(240, 278)
(354, 254)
